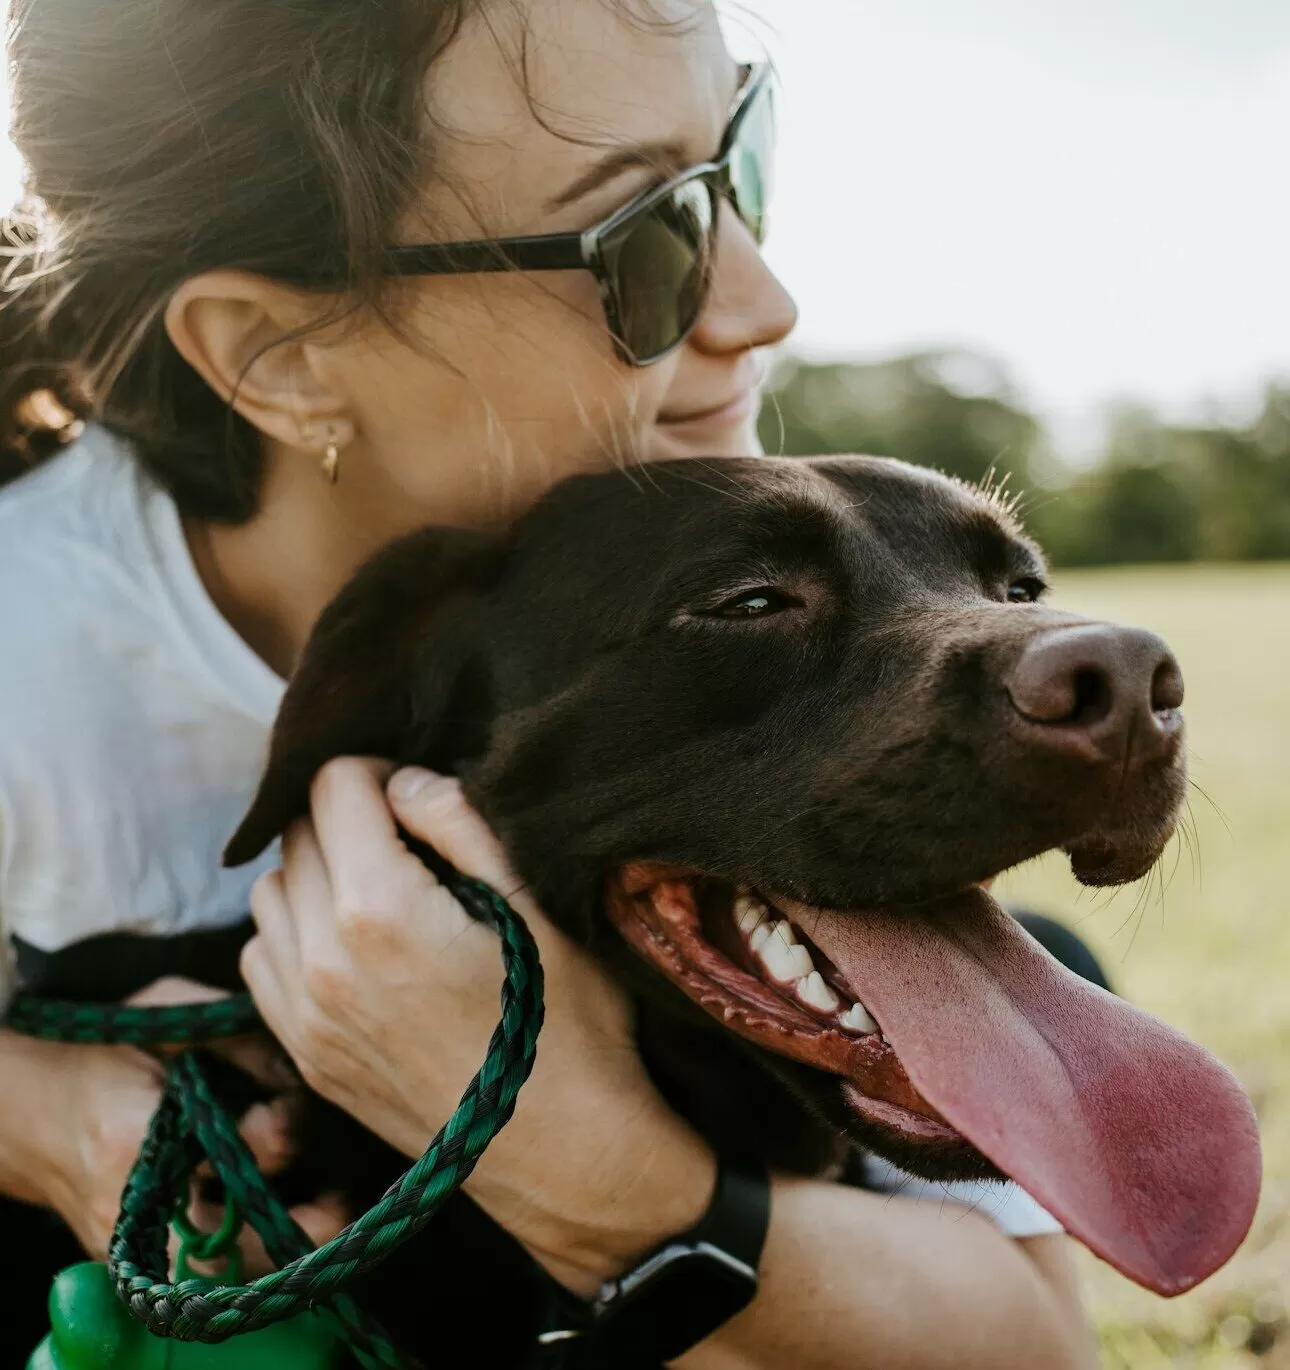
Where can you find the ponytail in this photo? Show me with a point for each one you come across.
(43, 403)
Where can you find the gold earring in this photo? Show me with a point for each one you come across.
(331, 462)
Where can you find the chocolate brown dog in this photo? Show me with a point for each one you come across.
(756, 731)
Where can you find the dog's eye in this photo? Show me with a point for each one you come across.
(1028, 590)
(758, 603)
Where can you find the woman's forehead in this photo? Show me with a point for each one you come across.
(547, 97)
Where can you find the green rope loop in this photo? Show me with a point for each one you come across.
(190, 1123)
(206, 1246)
(190, 1024)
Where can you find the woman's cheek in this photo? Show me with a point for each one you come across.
(484, 406)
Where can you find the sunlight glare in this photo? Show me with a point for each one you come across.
(10, 162)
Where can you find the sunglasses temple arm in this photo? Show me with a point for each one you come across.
(548, 252)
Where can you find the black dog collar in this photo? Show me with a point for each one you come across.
(681, 1293)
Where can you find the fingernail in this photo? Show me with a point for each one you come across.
(410, 781)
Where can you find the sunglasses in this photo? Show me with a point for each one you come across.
(654, 257)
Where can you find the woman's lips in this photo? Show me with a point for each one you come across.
(737, 410)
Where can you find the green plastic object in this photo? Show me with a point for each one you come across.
(93, 1330)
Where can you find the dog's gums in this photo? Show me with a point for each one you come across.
(728, 952)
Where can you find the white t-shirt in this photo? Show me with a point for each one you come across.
(133, 719)
(133, 727)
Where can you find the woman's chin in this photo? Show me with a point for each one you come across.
(718, 436)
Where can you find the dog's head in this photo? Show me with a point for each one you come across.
(764, 727)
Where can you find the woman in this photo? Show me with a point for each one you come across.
(218, 184)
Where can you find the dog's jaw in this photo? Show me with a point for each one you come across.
(661, 915)
(999, 1061)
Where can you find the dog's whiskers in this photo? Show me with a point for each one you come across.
(1212, 802)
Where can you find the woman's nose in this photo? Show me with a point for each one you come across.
(747, 306)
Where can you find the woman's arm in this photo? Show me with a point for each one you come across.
(363, 960)
(857, 1279)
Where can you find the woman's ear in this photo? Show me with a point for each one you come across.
(247, 337)
(389, 671)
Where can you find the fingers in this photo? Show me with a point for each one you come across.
(261, 1058)
(270, 961)
(172, 990)
(433, 808)
(355, 829)
(169, 991)
(375, 882)
(307, 934)
(322, 1219)
(267, 989)
(266, 1129)
(271, 906)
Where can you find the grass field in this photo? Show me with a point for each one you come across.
(1212, 954)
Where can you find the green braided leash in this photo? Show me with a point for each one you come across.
(190, 1123)
(179, 1024)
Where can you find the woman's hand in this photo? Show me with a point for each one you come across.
(96, 1104)
(385, 992)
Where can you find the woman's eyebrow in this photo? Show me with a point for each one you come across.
(654, 156)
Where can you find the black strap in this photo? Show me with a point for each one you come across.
(739, 1215)
(728, 1240)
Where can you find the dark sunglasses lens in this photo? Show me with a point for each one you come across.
(659, 266)
(751, 158)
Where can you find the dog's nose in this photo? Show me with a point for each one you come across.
(1103, 692)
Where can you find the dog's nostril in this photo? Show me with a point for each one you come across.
(1103, 692)
(1167, 687)
(1093, 697)
(1062, 693)
(1094, 676)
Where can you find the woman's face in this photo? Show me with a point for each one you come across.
(504, 383)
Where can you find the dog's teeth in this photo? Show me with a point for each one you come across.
(779, 958)
(795, 963)
(858, 1019)
(759, 936)
(803, 966)
(815, 993)
(750, 913)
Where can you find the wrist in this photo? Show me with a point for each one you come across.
(657, 1182)
(39, 1146)
(688, 1287)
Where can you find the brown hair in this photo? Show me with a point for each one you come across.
(164, 138)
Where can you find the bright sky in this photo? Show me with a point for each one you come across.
(1096, 191)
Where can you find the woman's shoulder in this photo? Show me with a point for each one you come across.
(72, 541)
(95, 573)
(84, 507)
(104, 630)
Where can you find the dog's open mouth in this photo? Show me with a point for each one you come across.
(955, 1035)
(742, 958)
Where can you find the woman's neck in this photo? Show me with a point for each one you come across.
(271, 612)
(272, 576)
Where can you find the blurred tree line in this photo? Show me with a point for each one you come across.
(1158, 493)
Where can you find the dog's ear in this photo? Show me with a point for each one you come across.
(383, 672)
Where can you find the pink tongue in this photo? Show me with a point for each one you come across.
(1138, 1141)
